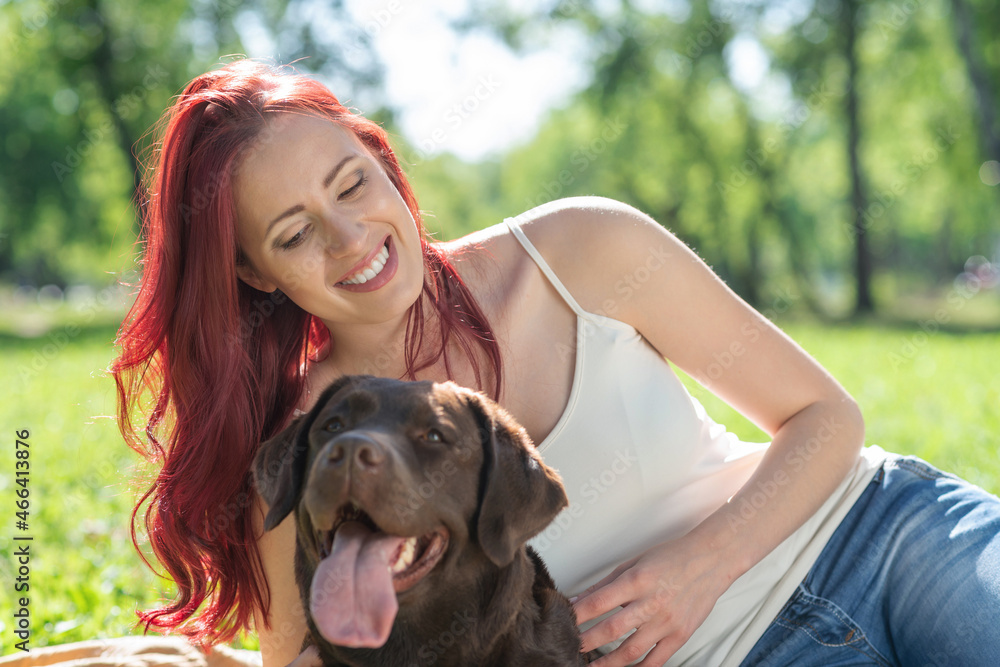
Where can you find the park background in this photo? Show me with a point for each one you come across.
(836, 162)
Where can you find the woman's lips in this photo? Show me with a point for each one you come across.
(373, 268)
(380, 277)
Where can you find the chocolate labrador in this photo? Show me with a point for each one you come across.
(413, 502)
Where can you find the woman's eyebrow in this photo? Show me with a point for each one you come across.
(326, 183)
(336, 170)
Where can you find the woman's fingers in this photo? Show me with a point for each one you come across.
(636, 610)
(610, 629)
(655, 637)
(601, 597)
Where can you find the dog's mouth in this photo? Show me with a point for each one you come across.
(410, 559)
(352, 598)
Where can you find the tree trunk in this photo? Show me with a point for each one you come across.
(989, 138)
(800, 262)
(104, 64)
(859, 201)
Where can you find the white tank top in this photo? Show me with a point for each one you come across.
(643, 463)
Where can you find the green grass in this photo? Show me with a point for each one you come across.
(86, 580)
(932, 395)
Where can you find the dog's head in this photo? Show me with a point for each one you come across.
(395, 486)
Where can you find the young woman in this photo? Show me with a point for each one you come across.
(284, 248)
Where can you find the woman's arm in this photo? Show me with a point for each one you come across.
(619, 262)
(280, 643)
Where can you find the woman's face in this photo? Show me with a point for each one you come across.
(319, 219)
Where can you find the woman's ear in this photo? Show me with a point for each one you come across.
(249, 275)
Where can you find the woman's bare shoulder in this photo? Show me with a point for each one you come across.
(581, 238)
(567, 225)
(585, 240)
(492, 264)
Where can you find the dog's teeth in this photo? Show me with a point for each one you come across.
(406, 554)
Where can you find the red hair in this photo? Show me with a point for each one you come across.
(212, 366)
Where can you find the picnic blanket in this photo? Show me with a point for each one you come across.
(141, 651)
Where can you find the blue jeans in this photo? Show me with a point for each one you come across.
(911, 577)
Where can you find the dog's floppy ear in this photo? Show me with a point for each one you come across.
(280, 465)
(519, 494)
(279, 469)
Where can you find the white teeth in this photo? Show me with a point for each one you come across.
(406, 555)
(375, 268)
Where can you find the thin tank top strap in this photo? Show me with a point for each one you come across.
(532, 251)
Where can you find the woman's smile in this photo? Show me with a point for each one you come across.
(319, 218)
(374, 271)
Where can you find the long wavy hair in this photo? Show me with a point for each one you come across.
(208, 367)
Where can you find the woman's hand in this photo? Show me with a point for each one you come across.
(666, 593)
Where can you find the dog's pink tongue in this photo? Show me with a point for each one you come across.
(352, 600)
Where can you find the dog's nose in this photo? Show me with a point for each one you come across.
(361, 450)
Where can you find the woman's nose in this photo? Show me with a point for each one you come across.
(343, 235)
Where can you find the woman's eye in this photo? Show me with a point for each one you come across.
(295, 240)
(354, 189)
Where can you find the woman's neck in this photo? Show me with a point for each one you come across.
(378, 349)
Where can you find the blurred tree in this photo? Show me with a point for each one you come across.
(843, 147)
(904, 117)
(984, 78)
(662, 126)
(87, 79)
(838, 176)
(863, 303)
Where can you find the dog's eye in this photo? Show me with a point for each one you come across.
(335, 425)
(434, 435)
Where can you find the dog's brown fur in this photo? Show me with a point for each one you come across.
(490, 601)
